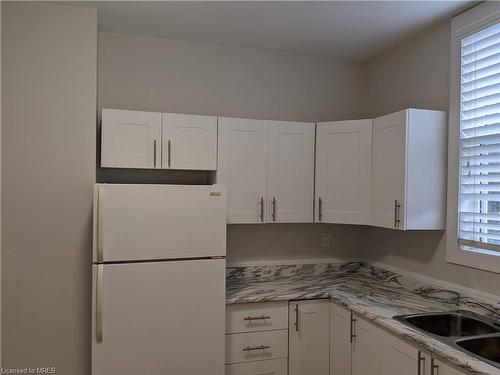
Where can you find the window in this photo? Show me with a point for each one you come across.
(479, 216)
(473, 230)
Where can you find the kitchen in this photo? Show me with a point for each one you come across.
(253, 99)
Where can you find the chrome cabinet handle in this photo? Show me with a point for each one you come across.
(261, 209)
(296, 318)
(100, 204)
(274, 209)
(353, 329)
(99, 302)
(396, 213)
(320, 209)
(434, 367)
(169, 152)
(420, 362)
(250, 318)
(261, 347)
(154, 153)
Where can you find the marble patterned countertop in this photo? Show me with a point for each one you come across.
(372, 292)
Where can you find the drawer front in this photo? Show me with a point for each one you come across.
(252, 317)
(271, 367)
(256, 346)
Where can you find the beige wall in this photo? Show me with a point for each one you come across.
(292, 242)
(48, 168)
(157, 74)
(416, 73)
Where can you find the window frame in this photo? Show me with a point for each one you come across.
(473, 20)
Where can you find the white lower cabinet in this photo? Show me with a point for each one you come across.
(440, 368)
(398, 357)
(309, 337)
(256, 346)
(270, 367)
(359, 347)
(340, 340)
(257, 338)
(365, 345)
(256, 317)
(318, 337)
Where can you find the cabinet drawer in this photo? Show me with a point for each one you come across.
(271, 367)
(256, 346)
(251, 317)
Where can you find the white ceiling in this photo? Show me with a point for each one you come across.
(356, 30)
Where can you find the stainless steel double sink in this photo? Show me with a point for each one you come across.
(464, 330)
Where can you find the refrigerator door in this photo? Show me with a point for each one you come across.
(149, 222)
(159, 318)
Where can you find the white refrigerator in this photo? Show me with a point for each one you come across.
(158, 301)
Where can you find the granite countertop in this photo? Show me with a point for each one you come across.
(372, 292)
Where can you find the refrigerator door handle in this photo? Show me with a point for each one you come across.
(98, 302)
(100, 202)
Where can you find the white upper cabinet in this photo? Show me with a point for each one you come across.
(409, 173)
(135, 139)
(189, 142)
(290, 182)
(268, 168)
(343, 171)
(242, 167)
(130, 139)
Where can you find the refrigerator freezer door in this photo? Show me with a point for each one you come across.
(148, 222)
(160, 318)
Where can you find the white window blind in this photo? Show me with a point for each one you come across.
(479, 208)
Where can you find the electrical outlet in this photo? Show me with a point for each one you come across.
(325, 239)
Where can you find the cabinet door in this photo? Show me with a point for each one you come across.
(309, 338)
(290, 180)
(441, 368)
(388, 173)
(189, 142)
(130, 139)
(242, 167)
(343, 171)
(365, 352)
(268, 367)
(398, 357)
(340, 340)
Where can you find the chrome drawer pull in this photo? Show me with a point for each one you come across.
(250, 318)
(250, 348)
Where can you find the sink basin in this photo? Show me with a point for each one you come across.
(477, 335)
(487, 347)
(450, 324)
